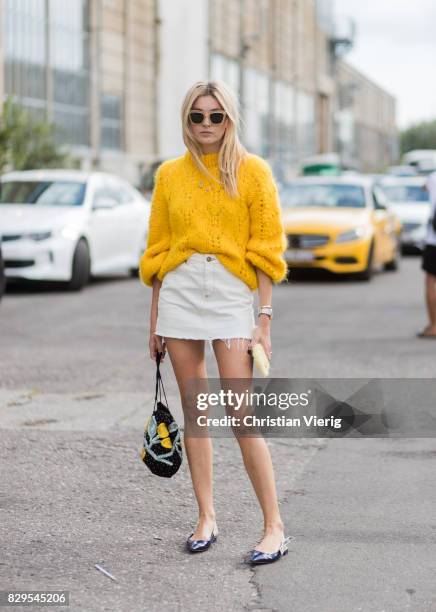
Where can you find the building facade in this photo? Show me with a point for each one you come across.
(366, 132)
(275, 56)
(112, 74)
(89, 66)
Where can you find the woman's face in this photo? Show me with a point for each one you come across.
(208, 134)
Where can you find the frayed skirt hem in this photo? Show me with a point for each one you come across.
(226, 340)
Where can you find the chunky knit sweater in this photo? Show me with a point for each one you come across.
(192, 213)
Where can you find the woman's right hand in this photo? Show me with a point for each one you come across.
(156, 344)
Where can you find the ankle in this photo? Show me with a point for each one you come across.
(273, 526)
(207, 516)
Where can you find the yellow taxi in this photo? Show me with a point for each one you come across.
(340, 223)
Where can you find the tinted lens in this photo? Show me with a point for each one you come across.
(216, 117)
(196, 117)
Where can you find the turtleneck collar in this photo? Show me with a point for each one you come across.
(210, 160)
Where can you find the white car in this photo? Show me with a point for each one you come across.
(410, 202)
(64, 225)
(2, 275)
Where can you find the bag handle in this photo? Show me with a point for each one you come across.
(159, 383)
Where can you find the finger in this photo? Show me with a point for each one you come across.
(266, 348)
(161, 348)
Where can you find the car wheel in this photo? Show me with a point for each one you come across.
(394, 264)
(134, 272)
(81, 267)
(2, 276)
(368, 272)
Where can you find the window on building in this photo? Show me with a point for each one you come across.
(225, 69)
(256, 112)
(111, 121)
(306, 124)
(47, 56)
(25, 51)
(69, 61)
(284, 128)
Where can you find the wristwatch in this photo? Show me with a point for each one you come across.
(265, 310)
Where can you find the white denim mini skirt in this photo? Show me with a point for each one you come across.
(201, 299)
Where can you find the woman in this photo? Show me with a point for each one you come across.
(428, 263)
(215, 235)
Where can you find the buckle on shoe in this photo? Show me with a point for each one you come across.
(284, 545)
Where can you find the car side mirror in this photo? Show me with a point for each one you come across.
(104, 203)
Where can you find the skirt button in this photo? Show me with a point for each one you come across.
(208, 258)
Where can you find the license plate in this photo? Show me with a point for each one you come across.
(294, 255)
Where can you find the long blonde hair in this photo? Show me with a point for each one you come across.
(231, 152)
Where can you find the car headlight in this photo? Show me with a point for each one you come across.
(69, 231)
(353, 234)
(39, 235)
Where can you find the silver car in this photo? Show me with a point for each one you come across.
(410, 202)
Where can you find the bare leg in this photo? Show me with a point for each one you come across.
(236, 363)
(430, 298)
(187, 359)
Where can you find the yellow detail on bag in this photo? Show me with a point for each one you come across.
(162, 431)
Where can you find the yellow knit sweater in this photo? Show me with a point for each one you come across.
(192, 213)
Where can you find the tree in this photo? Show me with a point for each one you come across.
(419, 136)
(26, 144)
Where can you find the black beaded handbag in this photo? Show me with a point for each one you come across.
(162, 448)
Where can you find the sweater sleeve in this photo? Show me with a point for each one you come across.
(158, 241)
(267, 241)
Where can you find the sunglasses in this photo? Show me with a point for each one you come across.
(215, 117)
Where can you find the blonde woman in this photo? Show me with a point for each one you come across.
(215, 236)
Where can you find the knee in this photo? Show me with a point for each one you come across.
(190, 405)
(189, 401)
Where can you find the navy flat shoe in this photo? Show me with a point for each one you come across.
(258, 557)
(195, 546)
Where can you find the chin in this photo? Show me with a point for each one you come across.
(208, 141)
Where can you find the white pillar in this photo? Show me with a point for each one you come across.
(183, 60)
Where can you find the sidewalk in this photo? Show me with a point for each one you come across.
(74, 496)
(360, 513)
(364, 528)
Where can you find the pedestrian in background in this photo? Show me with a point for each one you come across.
(215, 235)
(429, 262)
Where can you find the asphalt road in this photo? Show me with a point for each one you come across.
(76, 385)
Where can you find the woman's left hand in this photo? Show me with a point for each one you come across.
(261, 334)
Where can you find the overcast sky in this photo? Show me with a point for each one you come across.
(396, 47)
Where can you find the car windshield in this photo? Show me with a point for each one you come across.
(42, 193)
(405, 193)
(328, 195)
